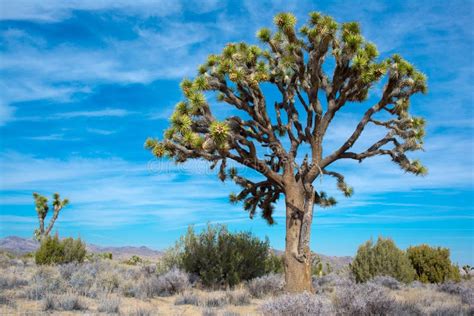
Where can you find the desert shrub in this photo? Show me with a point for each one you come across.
(65, 302)
(230, 313)
(221, 258)
(109, 304)
(298, 305)
(171, 258)
(432, 264)
(74, 250)
(5, 300)
(141, 311)
(208, 312)
(331, 280)
(11, 281)
(238, 297)
(318, 268)
(46, 280)
(387, 282)
(55, 251)
(274, 263)
(148, 269)
(363, 299)
(50, 251)
(130, 288)
(215, 300)
(451, 310)
(269, 284)
(134, 260)
(402, 308)
(105, 256)
(48, 303)
(416, 285)
(383, 258)
(172, 282)
(82, 281)
(107, 281)
(187, 298)
(67, 270)
(69, 302)
(465, 292)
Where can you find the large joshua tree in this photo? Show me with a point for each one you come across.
(317, 71)
(42, 209)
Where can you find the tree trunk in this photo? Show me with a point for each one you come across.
(299, 211)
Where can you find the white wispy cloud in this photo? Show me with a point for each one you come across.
(56, 10)
(107, 112)
(53, 137)
(37, 71)
(100, 131)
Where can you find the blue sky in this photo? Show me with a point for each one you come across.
(84, 83)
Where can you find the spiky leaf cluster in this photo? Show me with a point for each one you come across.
(295, 62)
(42, 209)
(41, 205)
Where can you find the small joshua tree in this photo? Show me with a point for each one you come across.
(467, 269)
(315, 73)
(42, 208)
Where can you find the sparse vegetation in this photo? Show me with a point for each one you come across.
(172, 282)
(65, 302)
(110, 286)
(109, 304)
(298, 304)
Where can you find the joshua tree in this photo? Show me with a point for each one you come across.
(42, 208)
(314, 72)
(467, 269)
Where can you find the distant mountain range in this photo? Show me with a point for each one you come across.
(21, 245)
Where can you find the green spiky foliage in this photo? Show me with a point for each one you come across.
(296, 63)
(42, 209)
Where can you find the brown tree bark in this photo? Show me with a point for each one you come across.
(299, 211)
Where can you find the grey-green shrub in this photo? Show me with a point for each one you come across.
(65, 302)
(269, 284)
(238, 297)
(109, 304)
(364, 299)
(187, 298)
(382, 258)
(298, 305)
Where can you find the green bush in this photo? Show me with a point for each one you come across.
(105, 255)
(134, 260)
(383, 258)
(274, 263)
(221, 258)
(432, 264)
(172, 258)
(52, 250)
